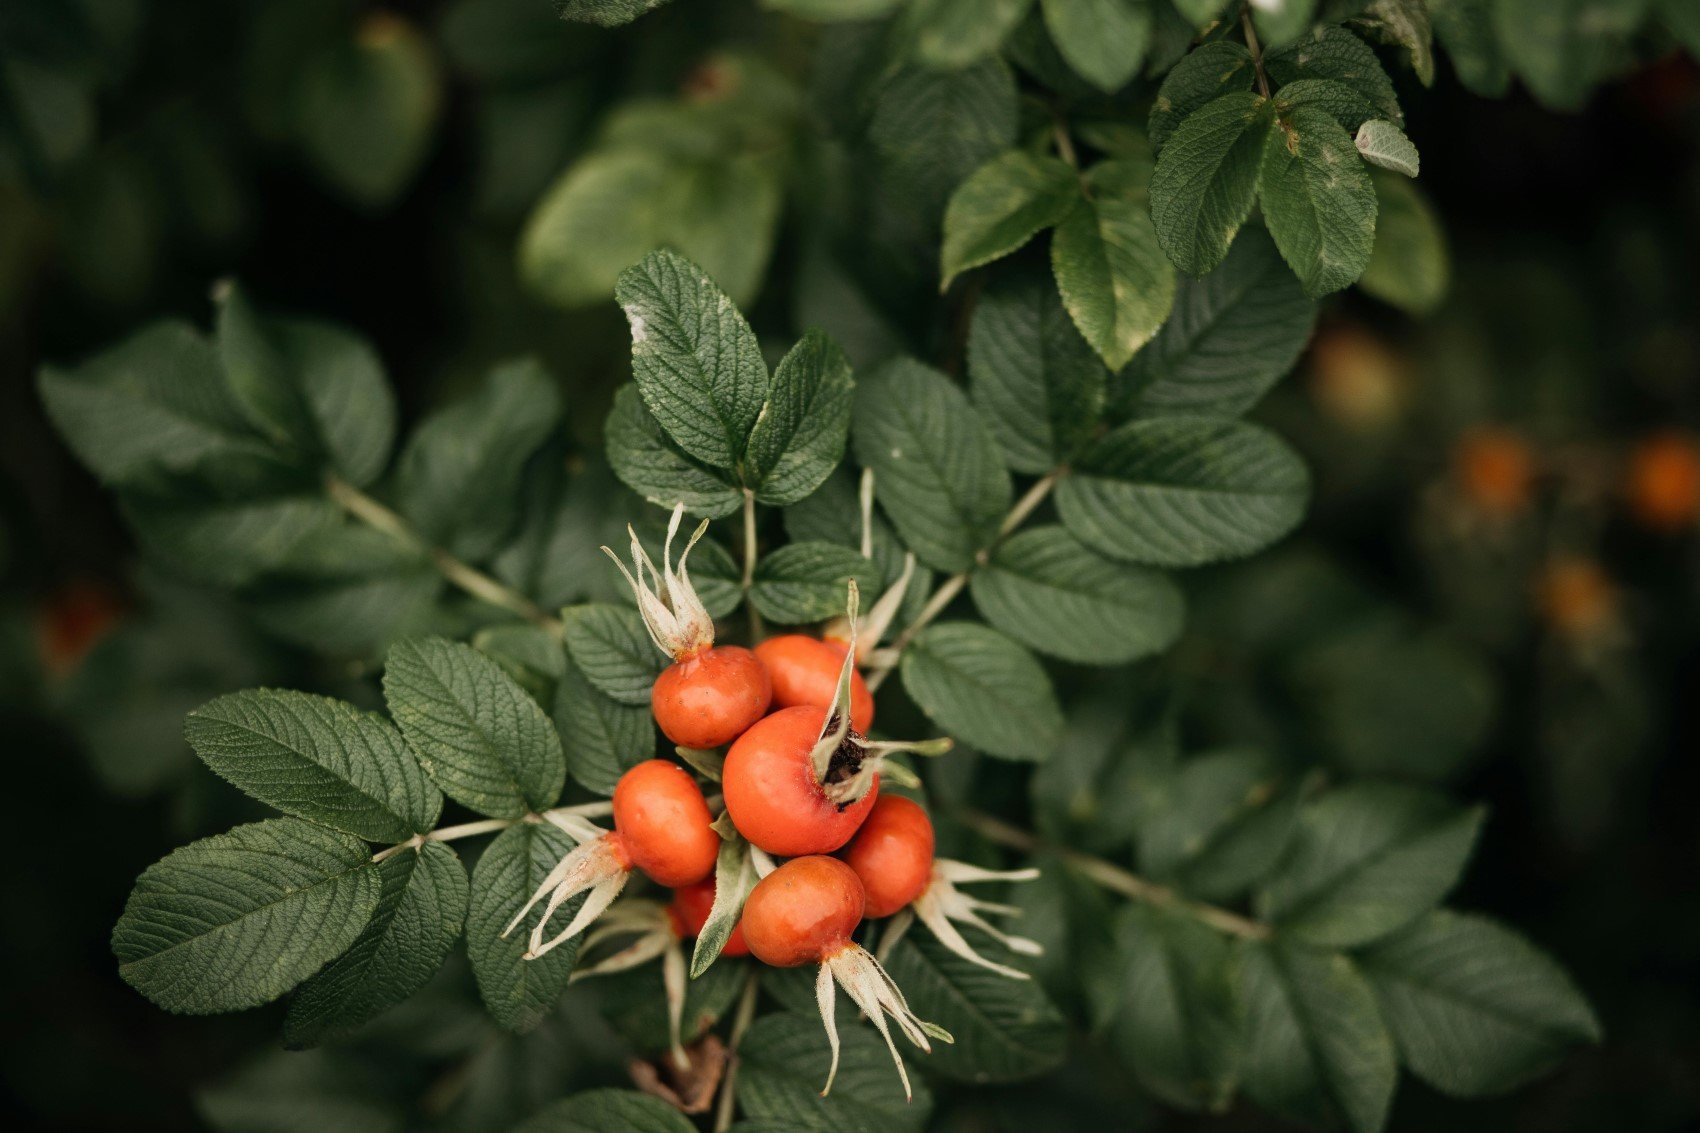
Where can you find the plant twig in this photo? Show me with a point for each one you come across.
(1256, 50)
(1116, 879)
(749, 578)
(469, 579)
(746, 1011)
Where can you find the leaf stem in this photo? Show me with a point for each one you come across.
(756, 631)
(1256, 50)
(1116, 879)
(952, 586)
(469, 579)
(746, 1011)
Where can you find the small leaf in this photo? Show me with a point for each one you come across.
(1315, 1045)
(653, 467)
(486, 743)
(1345, 105)
(596, 1111)
(1006, 1030)
(694, 358)
(1202, 76)
(805, 582)
(236, 920)
(1112, 274)
(1368, 859)
(604, 738)
(734, 877)
(1384, 144)
(1317, 200)
(459, 476)
(784, 1062)
(519, 993)
(936, 467)
(799, 437)
(1046, 590)
(1004, 204)
(1410, 267)
(1104, 41)
(1206, 179)
(1231, 336)
(608, 14)
(1031, 374)
(1184, 491)
(319, 759)
(980, 687)
(610, 646)
(1405, 24)
(417, 921)
(1334, 53)
(1475, 1008)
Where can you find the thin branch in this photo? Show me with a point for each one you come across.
(749, 578)
(469, 579)
(1116, 879)
(1256, 50)
(746, 1011)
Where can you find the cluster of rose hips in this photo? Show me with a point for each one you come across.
(800, 782)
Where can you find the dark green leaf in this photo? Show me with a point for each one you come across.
(603, 737)
(611, 647)
(319, 759)
(486, 743)
(1004, 204)
(798, 439)
(806, 582)
(1206, 179)
(609, 14)
(1202, 76)
(236, 920)
(950, 33)
(285, 1092)
(983, 689)
(1112, 274)
(652, 466)
(1104, 41)
(1334, 53)
(930, 129)
(599, 1111)
(1197, 809)
(1317, 200)
(519, 993)
(784, 1062)
(1410, 267)
(1465, 29)
(1345, 105)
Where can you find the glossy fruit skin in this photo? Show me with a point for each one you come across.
(688, 912)
(663, 824)
(773, 796)
(805, 671)
(892, 854)
(709, 699)
(803, 912)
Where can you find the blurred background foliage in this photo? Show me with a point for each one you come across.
(1496, 592)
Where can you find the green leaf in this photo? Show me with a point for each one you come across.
(983, 689)
(311, 386)
(317, 1090)
(1206, 179)
(1164, 997)
(154, 405)
(1050, 593)
(608, 14)
(806, 582)
(651, 465)
(1112, 274)
(1315, 1046)
(417, 921)
(1201, 77)
(1006, 1030)
(1465, 29)
(479, 735)
(604, 737)
(1384, 144)
(1334, 53)
(1030, 373)
(1200, 12)
(1201, 806)
(1184, 491)
(459, 476)
(1410, 267)
(597, 1111)
(236, 920)
(930, 129)
(955, 33)
(1405, 24)
(734, 878)
(1104, 41)
(319, 759)
(231, 544)
(936, 467)
(519, 993)
(799, 436)
(611, 647)
(366, 109)
(694, 358)
(1004, 204)
(1368, 859)
(1474, 1007)
(1281, 21)
(783, 1066)
(1317, 199)
(1345, 105)
(1231, 336)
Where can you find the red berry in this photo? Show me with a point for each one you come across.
(663, 824)
(772, 793)
(688, 912)
(803, 912)
(805, 670)
(710, 698)
(892, 854)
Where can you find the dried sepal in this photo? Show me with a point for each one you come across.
(873, 990)
(942, 904)
(675, 617)
(596, 865)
